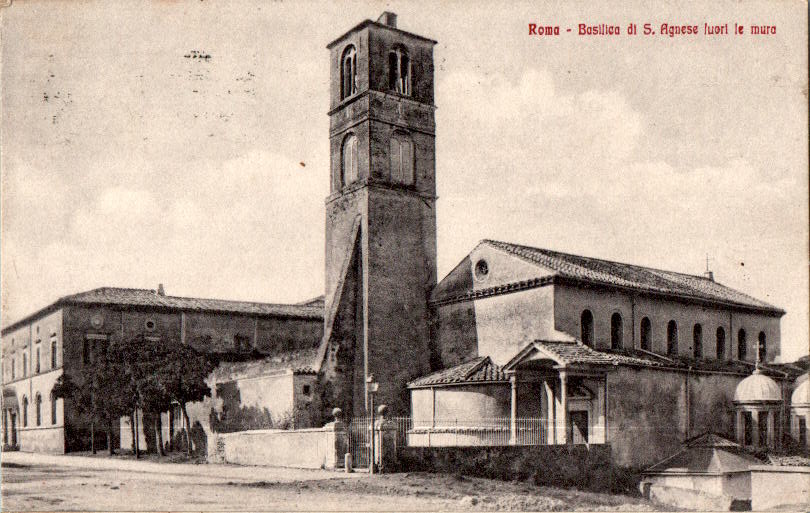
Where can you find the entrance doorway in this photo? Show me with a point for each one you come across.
(578, 430)
(13, 429)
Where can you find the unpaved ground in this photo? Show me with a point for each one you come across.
(65, 483)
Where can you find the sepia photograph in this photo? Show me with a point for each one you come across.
(317, 255)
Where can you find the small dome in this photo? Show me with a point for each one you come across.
(757, 388)
(801, 396)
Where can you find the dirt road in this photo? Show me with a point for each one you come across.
(41, 482)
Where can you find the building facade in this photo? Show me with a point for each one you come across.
(65, 336)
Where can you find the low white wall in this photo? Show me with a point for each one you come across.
(688, 498)
(773, 486)
(301, 448)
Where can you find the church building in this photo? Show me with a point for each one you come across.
(516, 345)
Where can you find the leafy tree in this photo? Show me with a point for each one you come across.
(183, 374)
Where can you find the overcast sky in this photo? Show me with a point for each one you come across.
(127, 163)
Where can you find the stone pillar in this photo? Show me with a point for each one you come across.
(563, 435)
(755, 427)
(513, 410)
(336, 438)
(385, 432)
(740, 427)
(771, 439)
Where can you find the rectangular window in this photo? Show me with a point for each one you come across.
(54, 361)
(38, 367)
(86, 352)
(25, 364)
(13, 365)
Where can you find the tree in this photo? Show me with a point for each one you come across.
(184, 373)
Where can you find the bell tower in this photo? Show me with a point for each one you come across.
(380, 214)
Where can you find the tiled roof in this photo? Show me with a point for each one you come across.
(572, 353)
(706, 453)
(615, 274)
(149, 298)
(474, 371)
(299, 362)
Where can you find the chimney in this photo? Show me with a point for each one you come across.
(708, 275)
(160, 291)
(388, 18)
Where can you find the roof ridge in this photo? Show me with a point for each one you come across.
(196, 298)
(598, 259)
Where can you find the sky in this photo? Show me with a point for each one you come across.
(128, 162)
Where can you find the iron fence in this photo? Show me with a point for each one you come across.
(492, 431)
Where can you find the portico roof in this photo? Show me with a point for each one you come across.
(564, 354)
(477, 370)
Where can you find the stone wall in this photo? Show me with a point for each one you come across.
(650, 414)
(302, 448)
(784, 487)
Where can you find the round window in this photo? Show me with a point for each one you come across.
(481, 269)
(150, 325)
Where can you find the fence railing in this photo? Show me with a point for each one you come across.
(483, 431)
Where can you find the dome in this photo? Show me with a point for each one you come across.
(757, 388)
(801, 396)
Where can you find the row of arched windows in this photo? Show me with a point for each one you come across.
(400, 159)
(399, 72)
(38, 410)
(645, 329)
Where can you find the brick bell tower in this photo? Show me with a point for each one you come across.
(380, 214)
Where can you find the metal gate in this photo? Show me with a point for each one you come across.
(359, 441)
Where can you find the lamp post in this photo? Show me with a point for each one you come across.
(372, 387)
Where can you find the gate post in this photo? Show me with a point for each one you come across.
(336, 439)
(385, 432)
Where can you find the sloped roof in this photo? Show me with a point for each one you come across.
(476, 370)
(577, 353)
(706, 454)
(298, 362)
(615, 274)
(149, 298)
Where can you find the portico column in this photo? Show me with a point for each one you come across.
(551, 415)
(513, 410)
(771, 428)
(755, 427)
(564, 407)
(740, 428)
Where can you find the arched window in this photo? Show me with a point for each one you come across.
(762, 348)
(348, 73)
(349, 160)
(721, 343)
(646, 334)
(586, 327)
(697, 341)
(401, 159)
(399, 71)
(53, 354)
(672, 338)
(25, 411)
(741, 345)
(616, 331)
(53, 408)
(38, 409)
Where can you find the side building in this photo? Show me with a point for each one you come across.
(64, 337)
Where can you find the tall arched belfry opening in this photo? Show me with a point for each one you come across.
(380, 213)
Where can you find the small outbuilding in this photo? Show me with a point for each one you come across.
(709, 472)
